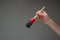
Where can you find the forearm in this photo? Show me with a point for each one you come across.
(53, 25)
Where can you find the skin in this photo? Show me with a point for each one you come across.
(44, 18)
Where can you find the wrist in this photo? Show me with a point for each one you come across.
(48, 21)
(51, 23)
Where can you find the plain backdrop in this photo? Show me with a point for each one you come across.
(14, 14)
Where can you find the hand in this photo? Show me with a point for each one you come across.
(43, 17)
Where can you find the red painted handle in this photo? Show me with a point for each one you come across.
(32, 20)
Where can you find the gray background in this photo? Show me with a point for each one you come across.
(14, 14)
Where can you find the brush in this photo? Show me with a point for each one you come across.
(32, 20)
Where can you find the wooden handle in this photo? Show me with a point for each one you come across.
(40, 11)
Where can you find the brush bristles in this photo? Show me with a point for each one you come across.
(29, 24)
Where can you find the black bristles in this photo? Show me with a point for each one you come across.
(29, 24)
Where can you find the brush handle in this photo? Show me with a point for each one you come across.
(32, 20)
(40, 11)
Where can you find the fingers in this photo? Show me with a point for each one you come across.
(43, 13)
(39, 13)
